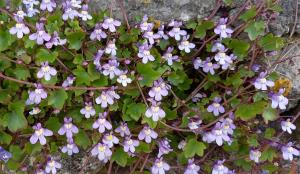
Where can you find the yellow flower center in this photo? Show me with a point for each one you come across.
(219, 132)
(102, 120)
(150, 33)
(51, 163)
(110, 137)
(19, 25)
(45, 69)
(209, 64)
(263, 80)
(223, 27)
(101, 148)
(129, 142)
(157, 89)
(88, 108)
(176, 29)
(155, 109)
(216, 105)
(39, 132)
(68, 125)
(147, 131)
(110, 20)
(84, 12)
(159, 164)
(290, 149)
(70, 146)
(103, 97)
(222, 55)
(147, 53)
(186, 43)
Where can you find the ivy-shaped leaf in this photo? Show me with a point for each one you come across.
(44, 55)
(249, 111)
(120, 157)
(57, 98)
(255, 29)
(194, 147)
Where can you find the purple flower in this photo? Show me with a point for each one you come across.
(255, 67)
(155, 111)
(52, 166)
(198, 96)
(169, 57)
(68, 82)
(110, 140)
(217, 46)
(164, 147)
(40, 36)
(55, 40)
(40, 171)
(151, 36)
(35, 111)
(144, 26)
(98, 33)
(130, 144)
(186, 45)
(218, 135)
(4, 155)
(111, 24)
(88, 110)
(31, 11)
(222, 58)
(101, 123)
(30, 2)
(278, 100)
(194, 123)
(19, 29)
(20, 14)
(46, 71)
(36, 96)
(69, 12)
(144, 53)
(70, 148)
(159, 89)
(76, 3)
(111, 69)
(261, 82)
(111, 48)
(159, 167)
(102, 151)
(123, 130)
(222, 29)
(68, 128)
(107, 97)
(176, 32)
(84, 14)
(197, 63)
(210, 67)
(40, 134)
(192, 168)
(255, 155)
(287, 126)
(216, 108)
(219, 168)
(288, 152)
(97, 58)
(148, 134)
(48, 4)
(227, 125)
(181, 144)
(123, 79)
(161, 32)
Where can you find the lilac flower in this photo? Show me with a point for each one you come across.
(4, 155)
(40, 36)
(31, 11)
(36, 96)
(278, 100)
(227, 125)
(76, 3)
(111, 24)
(151, 36)
(97, 58)
(144, 53)
(48, 4)
(70, 148)
(30, 2)
(288, 152)
(181, 144)
(194, 123)
(123, 130)
(197, 63)
(161, 32)
(219, 168)
(159, 167)
(222, 29)
(176, 32)
(20, 14)
(35, 111)
(107, 97)
(40, 134)
(52, 166)
(55, 40)
(144, 26)
(102, 151)
(111, 48)
(46, 71)
(186, 45)
(19, 29)
(68, 128)
(155, 111)
(192, 168)
(164, 147)
(130, 144)
(98, 33)
(68, 82)
(255, 155)
(69, 12)
(287, 126)
(216, 108)
(198, 96)
(255, 67)
(88, 110)
(84, 14)
(217, 134)
(217, 46)
(222, 58)
(169, 57)
(123, 79)
(159, 89)
(111, 69)
(110, 140)
(261, 82)
(210, 67)
(101, 123)
(148, 134)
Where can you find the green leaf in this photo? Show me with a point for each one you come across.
(249, 111)
(135, 110)
(57, 98)
(170, 114)
(252, 141)
(194, 147)
(82, 139)
(143, 147)
(53, 124)
(82, 77)
(249, 14)
(269, 133)
(255, 29)
(22, 73)
(240, 48)
(75, 39)
(246, 165)
(269, 114)
(43, 55)
(150, 122)
(268, 154)
(6, 39)
(202, 28)
(5, 138)
(32, 148)
(16, 152)
(148, 74)
(120, 157)
(271, 42)
(16, 118)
